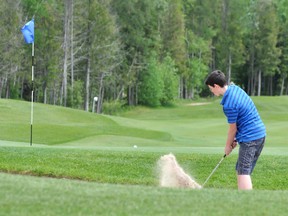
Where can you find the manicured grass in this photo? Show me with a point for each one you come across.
(180, 125)
(135, 167)
(96, 170)
(57, 125)
(26, 195)
(125, 183)
(206, 125)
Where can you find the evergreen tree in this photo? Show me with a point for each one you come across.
(261, 38)
(151, 89)
(173, 35)
(98, 47)
(229, 39)
(168, 72)
(282, 12)
(200, 30)
(11, 41)
(138, 24)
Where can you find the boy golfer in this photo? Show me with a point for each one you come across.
(245, 126)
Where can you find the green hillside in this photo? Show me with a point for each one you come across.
(58, 125)
(187, 124)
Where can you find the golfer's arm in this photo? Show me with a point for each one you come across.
(231, 134)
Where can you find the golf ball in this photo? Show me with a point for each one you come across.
(135, 146)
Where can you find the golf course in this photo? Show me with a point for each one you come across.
(82, 163)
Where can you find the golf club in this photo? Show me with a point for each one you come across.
(214, 170)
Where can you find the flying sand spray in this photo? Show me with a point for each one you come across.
(171, 174)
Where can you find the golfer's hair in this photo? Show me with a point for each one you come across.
(216, 77)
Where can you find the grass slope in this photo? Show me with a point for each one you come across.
(56, 125)
(183, 125)
(206, 125)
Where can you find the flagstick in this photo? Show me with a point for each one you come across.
(32, 98)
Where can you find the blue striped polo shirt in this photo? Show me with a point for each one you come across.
(240, 109)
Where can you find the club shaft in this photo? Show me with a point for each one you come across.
(214, 170)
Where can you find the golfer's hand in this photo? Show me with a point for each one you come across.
(228, 149)
(234, 144)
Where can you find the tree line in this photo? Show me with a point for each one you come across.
(147, 52)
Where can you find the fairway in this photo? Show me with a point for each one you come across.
(86, 164)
